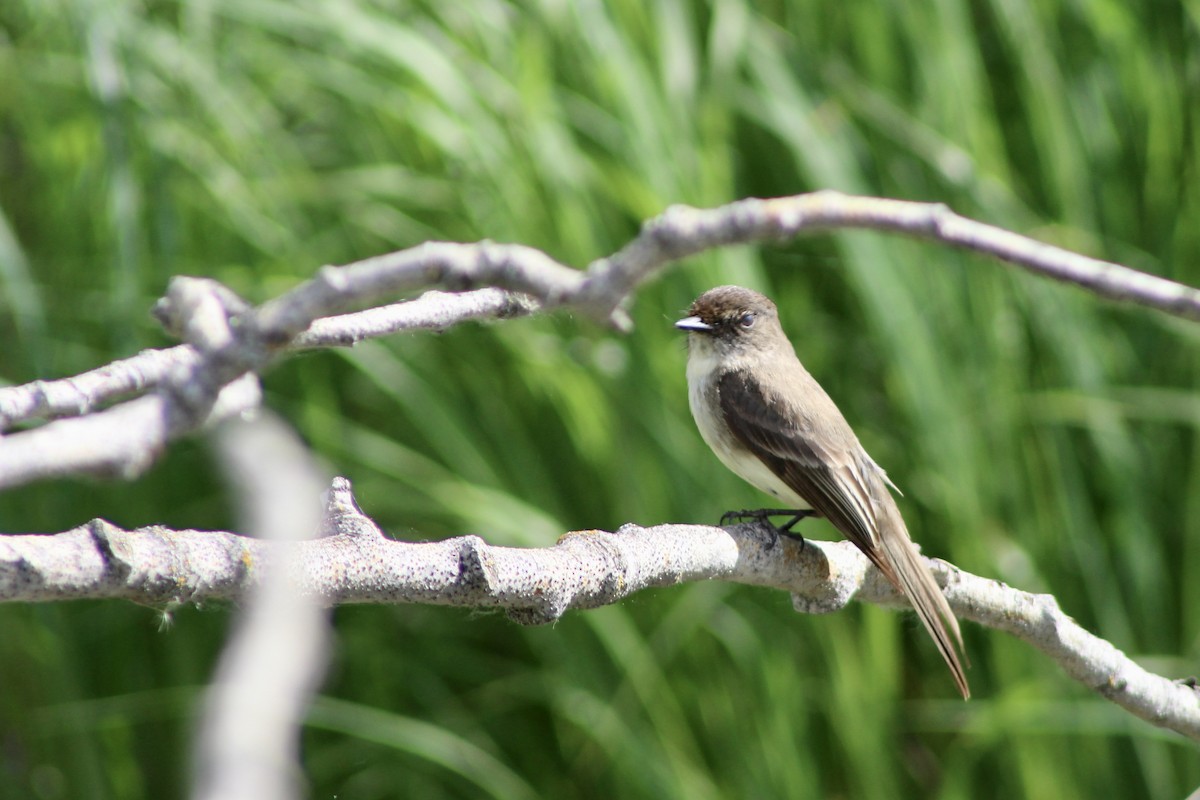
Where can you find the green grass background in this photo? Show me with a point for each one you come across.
(1042, 437)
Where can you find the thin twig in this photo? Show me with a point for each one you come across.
(94, 390)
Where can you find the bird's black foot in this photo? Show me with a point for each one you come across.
(765, 514)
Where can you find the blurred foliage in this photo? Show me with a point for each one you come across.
(1042, 436)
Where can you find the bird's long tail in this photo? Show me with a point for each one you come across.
(900, 562)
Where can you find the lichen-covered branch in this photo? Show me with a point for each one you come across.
(355, 563)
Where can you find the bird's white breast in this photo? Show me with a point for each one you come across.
(702, 369)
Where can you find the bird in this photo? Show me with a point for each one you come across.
(770, 422)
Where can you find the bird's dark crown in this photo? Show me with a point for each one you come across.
(727, 307)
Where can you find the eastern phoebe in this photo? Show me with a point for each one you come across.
(770, 422)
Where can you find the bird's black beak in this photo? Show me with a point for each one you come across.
(693, 324)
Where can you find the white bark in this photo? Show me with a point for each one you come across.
(248, 745)
(355, 563)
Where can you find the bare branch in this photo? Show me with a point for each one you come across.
(431, 311)
(249, 740)
(1085, 657)
(121, 441)
(227, 338)
(93, 390)
(683, 231)
(125, 440)
(356, 563)
(446, 265)
(90, 391)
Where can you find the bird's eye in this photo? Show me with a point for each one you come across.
(747, 321)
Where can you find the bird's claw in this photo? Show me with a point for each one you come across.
(764, 515)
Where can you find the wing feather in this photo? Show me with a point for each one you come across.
(816, 454)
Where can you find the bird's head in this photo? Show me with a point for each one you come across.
(728, 320)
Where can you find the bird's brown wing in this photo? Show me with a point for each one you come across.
(821, 464)
(815, 453)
